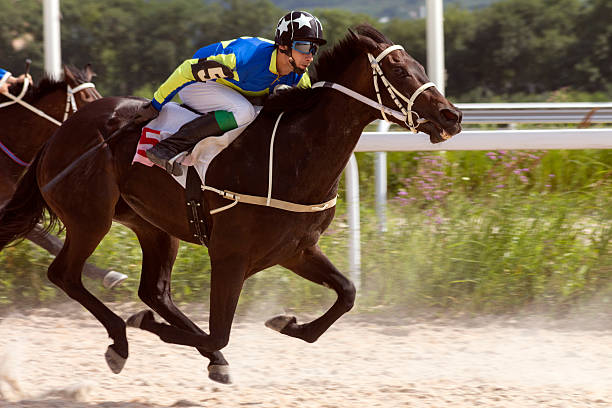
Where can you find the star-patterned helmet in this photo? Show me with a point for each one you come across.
(298, 25)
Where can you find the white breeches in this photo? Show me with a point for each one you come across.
(211, 96)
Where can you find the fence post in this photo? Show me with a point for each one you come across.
(380, 171)
(52, 39)
(352, 208)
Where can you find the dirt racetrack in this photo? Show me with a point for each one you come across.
(54, 358)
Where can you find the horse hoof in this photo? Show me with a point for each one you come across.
(136, 319)
(114, 360)
(279, 322)
(113, 279)
(219, 373)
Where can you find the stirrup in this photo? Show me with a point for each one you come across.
(170, 165)
(173, 166)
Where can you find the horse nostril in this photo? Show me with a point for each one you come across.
(450, 115)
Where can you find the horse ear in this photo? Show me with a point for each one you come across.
(366, 43)
(89, 72)
(67, 73)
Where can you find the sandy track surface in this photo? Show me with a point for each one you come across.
(54, 358)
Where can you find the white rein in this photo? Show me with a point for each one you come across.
(70, 100)
(405, 113)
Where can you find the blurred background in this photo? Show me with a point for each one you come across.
(466, 232)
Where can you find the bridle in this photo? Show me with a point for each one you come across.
(405, 114)
(70, 100)
(70, 103)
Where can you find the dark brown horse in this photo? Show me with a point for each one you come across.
(314, 140)
(25, 131)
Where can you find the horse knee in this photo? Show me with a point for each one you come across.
(151, 297)
(348, 295)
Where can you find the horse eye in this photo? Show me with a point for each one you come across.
(401, 72)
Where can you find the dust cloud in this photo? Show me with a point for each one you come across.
(54, 358)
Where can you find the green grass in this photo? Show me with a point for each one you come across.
(467, 231)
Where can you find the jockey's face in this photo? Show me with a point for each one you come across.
(283, 64)
(300, 59)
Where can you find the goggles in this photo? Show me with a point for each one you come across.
(305, 47)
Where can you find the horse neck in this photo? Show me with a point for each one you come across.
(338, 124)
(24, 132)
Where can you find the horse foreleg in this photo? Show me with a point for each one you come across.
(313, 265)
(53, 245)
(159, 251)
(227, 277)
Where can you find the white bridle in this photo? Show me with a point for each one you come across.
(405, 113)
(70, 100)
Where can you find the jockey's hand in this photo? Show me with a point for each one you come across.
(20, 79)
(203, 70)
(281, 88)
(144, 114)
(4, 87)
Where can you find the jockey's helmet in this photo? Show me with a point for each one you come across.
(298, 26)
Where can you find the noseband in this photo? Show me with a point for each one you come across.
(70, 100)
(405, 113)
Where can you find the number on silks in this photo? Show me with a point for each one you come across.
(204, 70)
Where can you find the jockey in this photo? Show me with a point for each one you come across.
(6, 80)
(220, 77)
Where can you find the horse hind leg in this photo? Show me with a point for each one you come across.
(313, 265)
(227, 277)
(65, 272)
(159, 251)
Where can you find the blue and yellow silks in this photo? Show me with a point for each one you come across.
(252, 59)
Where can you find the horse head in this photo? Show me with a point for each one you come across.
(401, 84)
(80, 85)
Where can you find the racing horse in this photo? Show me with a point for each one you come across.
(29, 117)
(292, 154)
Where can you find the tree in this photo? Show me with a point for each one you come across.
(591, 55)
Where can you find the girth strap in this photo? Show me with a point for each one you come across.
(195, 212)
(268, 202)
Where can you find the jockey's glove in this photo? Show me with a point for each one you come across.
(145, 113)
(203, 70)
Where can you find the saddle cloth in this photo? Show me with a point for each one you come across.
(170, 119)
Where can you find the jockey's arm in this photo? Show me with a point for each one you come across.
(5, 82)
(304, 81)
(191, 70)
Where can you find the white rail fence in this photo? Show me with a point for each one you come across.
(510, 139)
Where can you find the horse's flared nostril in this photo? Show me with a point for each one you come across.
(451, 115)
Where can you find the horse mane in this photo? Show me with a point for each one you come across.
(46, 85)
(326, 68)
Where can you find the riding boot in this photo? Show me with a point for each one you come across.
(210, 124)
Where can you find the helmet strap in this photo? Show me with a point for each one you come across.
(296, 69)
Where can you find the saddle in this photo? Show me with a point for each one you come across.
(169, 121)
(195, 163)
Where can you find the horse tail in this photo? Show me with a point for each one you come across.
(25, 209)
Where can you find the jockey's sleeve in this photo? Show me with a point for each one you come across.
(185, 75)
(304, 81)
(4, 75)
(181, 77)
